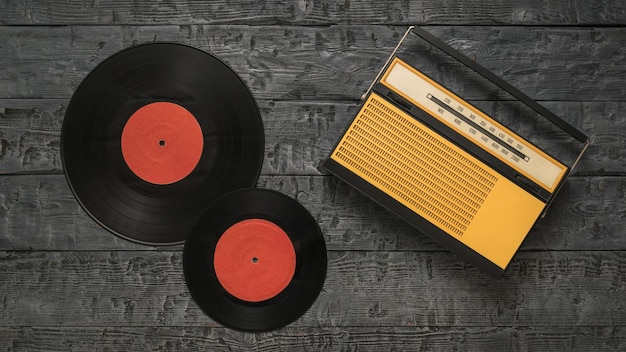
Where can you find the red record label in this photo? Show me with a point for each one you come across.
(162, 143)
(254, 260)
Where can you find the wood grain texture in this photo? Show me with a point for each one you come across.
(300, 134)
(190, 338)
(548, 289)
(587, 215)
(307, 12)
(324, 63)
(67, 284)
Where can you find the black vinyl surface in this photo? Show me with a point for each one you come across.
(99, 177)
(286, 306)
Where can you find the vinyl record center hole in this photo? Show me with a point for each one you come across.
(254, 260)
(162, 143)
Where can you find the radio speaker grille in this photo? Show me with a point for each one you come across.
(415, 166)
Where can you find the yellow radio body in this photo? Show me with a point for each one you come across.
(454, 172)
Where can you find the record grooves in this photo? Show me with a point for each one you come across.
(276, 261)
(146, 178)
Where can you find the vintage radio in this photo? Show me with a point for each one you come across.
(451, 170)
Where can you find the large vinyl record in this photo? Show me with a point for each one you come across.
(255, 260)
(155, 133)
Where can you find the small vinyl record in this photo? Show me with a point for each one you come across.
(155, 133)
(255, 260)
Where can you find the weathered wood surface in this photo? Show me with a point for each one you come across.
(327, 63)
(87, 339)
(527, 12)
(69, 285)
(299, 134)
(587, 215)
(546, 288)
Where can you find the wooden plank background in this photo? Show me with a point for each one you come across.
(68, 285)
